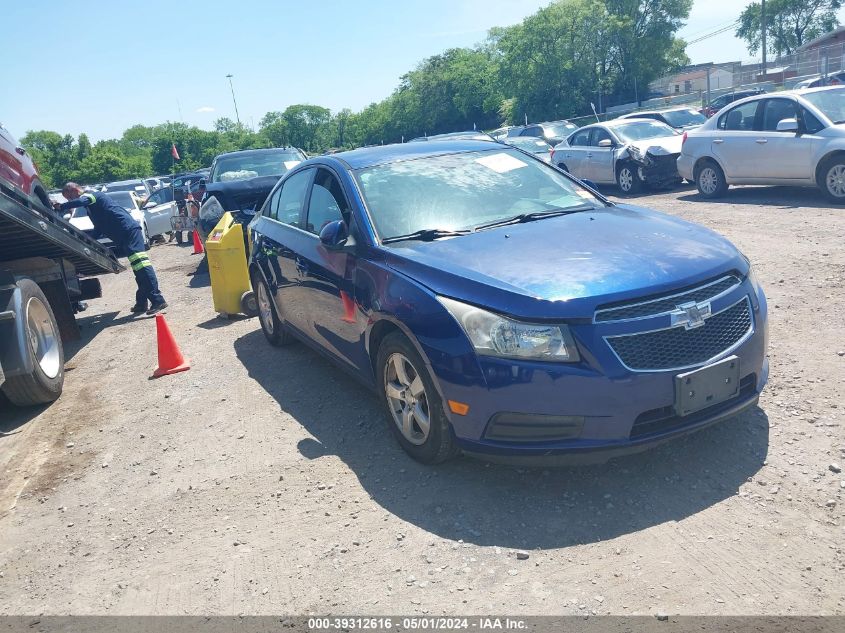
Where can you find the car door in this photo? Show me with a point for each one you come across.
(329, 301)
(600, 166)
(734, 141)
(279, 233)
(574, 155)
(785, 155)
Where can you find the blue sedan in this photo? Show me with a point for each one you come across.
(498, 306)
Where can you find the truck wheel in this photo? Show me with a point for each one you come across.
(43, 347)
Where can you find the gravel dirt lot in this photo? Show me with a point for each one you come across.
(264, 480)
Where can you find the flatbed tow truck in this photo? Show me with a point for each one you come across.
(48, 270)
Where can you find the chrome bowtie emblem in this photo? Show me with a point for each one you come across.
(691, 315)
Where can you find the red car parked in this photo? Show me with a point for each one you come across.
(18, 171)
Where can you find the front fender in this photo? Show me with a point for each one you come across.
(13, 357)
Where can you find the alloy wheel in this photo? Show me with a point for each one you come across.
(836, 181)
(407, 399)
(708, 180)
(626, 179)
(265, 309)
(42, 337)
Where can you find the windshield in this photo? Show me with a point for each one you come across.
(462, 191)
(643, 130)
(529, 144)
(830, 102)
(560, 130)
(683, 118)
(123, 198)
(240, 167)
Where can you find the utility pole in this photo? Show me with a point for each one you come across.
(763, 34)
(232, 88)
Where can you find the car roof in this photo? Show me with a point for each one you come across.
(131, 181)
(634, 115)
(264, 150)
(380, 154)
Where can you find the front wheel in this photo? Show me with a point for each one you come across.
(628, 179)
(415, 412)
(710, 180)
(42, 347)
(833, 180)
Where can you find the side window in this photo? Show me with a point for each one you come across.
(581, 138)
(327, 202)
(811, 123)
(157, 197)
(272, 204)
(774, 111)
(291, 197)
(532, 130)
(600, 134)
(740, 118)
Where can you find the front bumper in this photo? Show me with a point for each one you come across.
(660, 171)
(597, 405)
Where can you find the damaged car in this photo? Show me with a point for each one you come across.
(629, 153)
(240, 181)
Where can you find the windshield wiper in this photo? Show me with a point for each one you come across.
(425, 235)
(537, 215)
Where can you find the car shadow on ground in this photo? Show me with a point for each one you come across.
(492, 504)
(778, 197)
(12, 417)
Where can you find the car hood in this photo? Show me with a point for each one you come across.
(659, 146)
(249, 193)
(563, 267)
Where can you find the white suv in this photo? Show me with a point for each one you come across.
(785, 138)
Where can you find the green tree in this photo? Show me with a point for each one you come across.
(103, 164)
(789, 23)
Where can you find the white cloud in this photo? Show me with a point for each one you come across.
(205, 109)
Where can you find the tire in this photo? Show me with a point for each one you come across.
(628, 179)
(419, 401)
(831, 179)
(273, 328)
(44, 348)
(249, 303)
(710, 180)
(42, 197)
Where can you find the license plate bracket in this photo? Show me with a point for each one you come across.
(705, 387)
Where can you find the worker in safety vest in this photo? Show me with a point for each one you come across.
(115, 222)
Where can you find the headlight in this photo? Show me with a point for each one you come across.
(494, 335)
(211, 209)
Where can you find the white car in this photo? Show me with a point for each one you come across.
(784, 138)
(682, 119)
(625, 152)
(158, 208)
(78, 217)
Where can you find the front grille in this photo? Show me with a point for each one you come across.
(665, 304)
(677, 347)
(665, 419)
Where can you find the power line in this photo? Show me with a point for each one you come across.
(713, 33)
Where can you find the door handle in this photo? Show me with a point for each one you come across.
(761, 141)
(718, 141)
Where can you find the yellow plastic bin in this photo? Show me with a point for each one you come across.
(230, 286)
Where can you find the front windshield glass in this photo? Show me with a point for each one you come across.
(560, 130)
(462, 191)
(682, 118)
(123, 198)
(830, 102)
(241, 167)
(643, 130)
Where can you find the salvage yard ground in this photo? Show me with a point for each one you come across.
(264, 480)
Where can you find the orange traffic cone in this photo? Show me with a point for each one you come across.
(348, 307)
(198, 249)
(170, 359)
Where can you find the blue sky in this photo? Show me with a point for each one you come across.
(156, 61)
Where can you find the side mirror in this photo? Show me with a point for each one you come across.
(334, 235)
(787, 125)
(66, 216)
(605, 142)
(150, 204)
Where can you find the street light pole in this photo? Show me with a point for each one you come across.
(237, 116)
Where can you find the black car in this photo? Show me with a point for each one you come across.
(240, 181)
(553, 132)
(720, 102)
